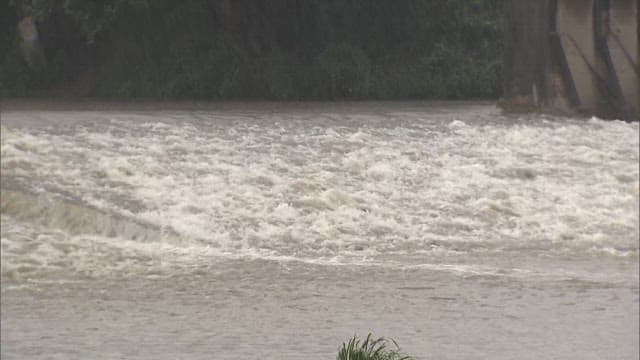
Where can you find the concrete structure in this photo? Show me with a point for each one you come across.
(573, 56)
(574, 26)
(623, 45)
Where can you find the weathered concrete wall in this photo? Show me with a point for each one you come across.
(574, 25)
(572, 56)
(622, 40)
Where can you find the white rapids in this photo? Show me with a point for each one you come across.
(459, 190)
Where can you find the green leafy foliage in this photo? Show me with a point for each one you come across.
(253, 49)
(370, 349)
(343, 72)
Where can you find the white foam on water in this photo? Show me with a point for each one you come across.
(300, 186)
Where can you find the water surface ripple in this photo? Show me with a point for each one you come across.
(336, 192)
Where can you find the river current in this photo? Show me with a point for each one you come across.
(277, 231)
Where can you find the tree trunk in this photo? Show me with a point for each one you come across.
(32, 51)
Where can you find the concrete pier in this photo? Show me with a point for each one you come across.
(623, 46)
(585, 58)
(574, 25)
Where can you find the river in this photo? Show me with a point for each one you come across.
(279, 230)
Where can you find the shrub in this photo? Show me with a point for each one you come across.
(370, 349)
(281, 49)
(343, 71)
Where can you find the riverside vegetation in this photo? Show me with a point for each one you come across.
(370, 349)
(253, 49)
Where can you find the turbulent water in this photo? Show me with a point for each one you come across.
(277, 231)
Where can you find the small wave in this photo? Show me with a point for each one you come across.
(75, 218)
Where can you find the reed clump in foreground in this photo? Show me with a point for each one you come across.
(370, 349)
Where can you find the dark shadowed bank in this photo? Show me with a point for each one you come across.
(254, 49)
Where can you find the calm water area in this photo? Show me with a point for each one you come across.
(279, 230)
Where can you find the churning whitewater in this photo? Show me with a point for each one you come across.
(258, 231)
(153, 193)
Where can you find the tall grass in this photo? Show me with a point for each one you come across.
(370, 349)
